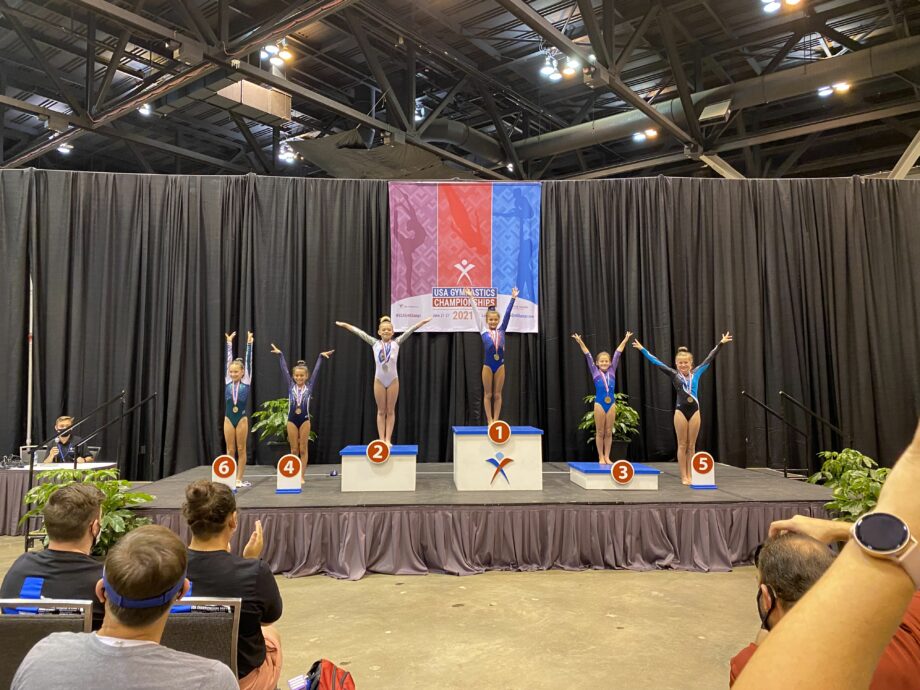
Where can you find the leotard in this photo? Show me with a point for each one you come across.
(493, 341)
(686, 387)
(237, 395)
(299, 397)
(385, 354)
(604, 382)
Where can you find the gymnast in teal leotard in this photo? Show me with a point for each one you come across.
(604, 372)
(237, 383)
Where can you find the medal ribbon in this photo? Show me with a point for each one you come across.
(298, 395)
(687, 384)
(235, 392)
(606, 382)
(385, 350)
(496, 338)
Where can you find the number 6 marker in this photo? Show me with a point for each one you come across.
(223, 471)
(378, 451)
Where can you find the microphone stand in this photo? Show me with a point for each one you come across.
(45, 446)
(105, 426)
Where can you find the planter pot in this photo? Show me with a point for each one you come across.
(270, 453)
(618, 450)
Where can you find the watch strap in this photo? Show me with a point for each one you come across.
(910, 561)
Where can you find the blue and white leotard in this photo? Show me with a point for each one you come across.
(493, 341)
(604, 382)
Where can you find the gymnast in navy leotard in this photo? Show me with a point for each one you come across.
(603, 372)
(300, 385)
(493, 362)
(686, 381)
(237, 383)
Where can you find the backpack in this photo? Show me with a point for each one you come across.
(323, 675)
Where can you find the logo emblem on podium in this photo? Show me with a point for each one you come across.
(499, 462)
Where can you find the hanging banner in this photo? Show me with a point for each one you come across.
(446, 237)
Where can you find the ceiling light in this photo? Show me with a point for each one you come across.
(825, 91)
(145, 110)
(771, 7)
(263, 54)
(792, 3)
(571, 66)
(555, 75)
(548, 67)
(639, 137)
(419, 113)
(651, 133)
(592, 58)
(510, 167)
(286, 153)
(285, 54)
(65, 148)
(271, 49)
(276, 61)
(842, 86)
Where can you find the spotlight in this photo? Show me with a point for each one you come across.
(792, 3)
(419, 113)
(556, 75)
(592, 58)
(285, 54)
(825, 91)
(271, 49)
(276, 61)
(286, 154)
(510, 167)
(651, 133)
(771, 7)
(639, 137)
(263, 54)
(145, 110)
(65, 148)
(571, 66)
(842, 86)
(548, 66)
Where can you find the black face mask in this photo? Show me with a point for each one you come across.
(765, 615)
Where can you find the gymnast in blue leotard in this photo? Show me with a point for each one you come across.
(686, 381)
(493, 364)
(300, 385)
(237, 382)
(603, 371)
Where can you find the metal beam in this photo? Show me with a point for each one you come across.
(577, 120)
(777, 59)
(610, 28)
(90, 74)
(409, 89)
(138, 154)
(117, 55)
(360, 35)
(907, 159)
(796, 153)
(680, 77)
(199, 21)
(633, 41)
(542, 26)
(223, 21)
(503, 137)
(844, 40)
(586, 8)
(171, 148)
(439, 108)
(251, 140)
(721, 166)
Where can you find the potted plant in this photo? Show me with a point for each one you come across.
(625, 427)
(117, 517)
(855, 479)
(271, 424)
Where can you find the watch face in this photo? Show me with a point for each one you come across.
(882, 532)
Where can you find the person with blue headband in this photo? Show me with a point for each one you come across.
(144, 575)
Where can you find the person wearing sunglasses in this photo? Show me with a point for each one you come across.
(66, 446)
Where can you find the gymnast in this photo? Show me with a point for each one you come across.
(604, 373)
(686, 381)
(300, 390)
(386, 378)
(493, 345)
(237, 383)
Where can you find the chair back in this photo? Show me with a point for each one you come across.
(206, 627)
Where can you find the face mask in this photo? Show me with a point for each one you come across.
(765, 615)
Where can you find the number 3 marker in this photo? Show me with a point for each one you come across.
(622, 471)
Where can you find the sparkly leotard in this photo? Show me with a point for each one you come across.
(686, 387)
(299, 396)
(604, 381)
(493, 341)
(385, 354)
(236, 395)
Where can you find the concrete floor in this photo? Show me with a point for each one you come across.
(658, 630)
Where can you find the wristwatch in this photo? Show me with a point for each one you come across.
(884, 535)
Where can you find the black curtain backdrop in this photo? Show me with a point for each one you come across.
(137, 277)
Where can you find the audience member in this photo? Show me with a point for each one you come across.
(72, 516)
(66, 446)
(210, 510)
(144, 576)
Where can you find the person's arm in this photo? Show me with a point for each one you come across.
(592, 367)
(412, 329)
(270, 595)
(357, 331)
(475, 311)
(704, 365)
(52, 454)
(285, 372)
(247, 362)
(315, 373)
(833, 638)
(507, 317)
(229, 337)
(652, 358)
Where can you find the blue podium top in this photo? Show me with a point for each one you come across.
(394, 450)
(597, 468)
(484, 430)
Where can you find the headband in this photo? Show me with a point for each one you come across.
(152, 602)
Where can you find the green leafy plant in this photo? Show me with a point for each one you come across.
(117, 517)
(855, 479)
(625, 426)
(271, 421)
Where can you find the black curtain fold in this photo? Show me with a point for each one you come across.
(138, 277)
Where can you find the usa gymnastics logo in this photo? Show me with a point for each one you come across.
(499, 462)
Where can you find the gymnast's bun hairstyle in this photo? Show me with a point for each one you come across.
(238, 360)
(384, 319)
(683, 351)
(207, 507)
(300, 364)
(491, 308)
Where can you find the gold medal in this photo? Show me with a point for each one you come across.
(297, 411)
(689, 398)
(496, 357)
(236, 409)
(607, 400)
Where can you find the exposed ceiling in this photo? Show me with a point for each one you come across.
(461, 79)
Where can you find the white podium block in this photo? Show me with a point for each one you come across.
(396, 473)
(288, 476)
(481, 465)
(223, 471)
(702, 471)
(595, 476)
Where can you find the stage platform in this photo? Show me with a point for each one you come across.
(438, 529)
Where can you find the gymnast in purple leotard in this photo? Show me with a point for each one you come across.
(300, 390)
(493, 345)
(604, 372)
